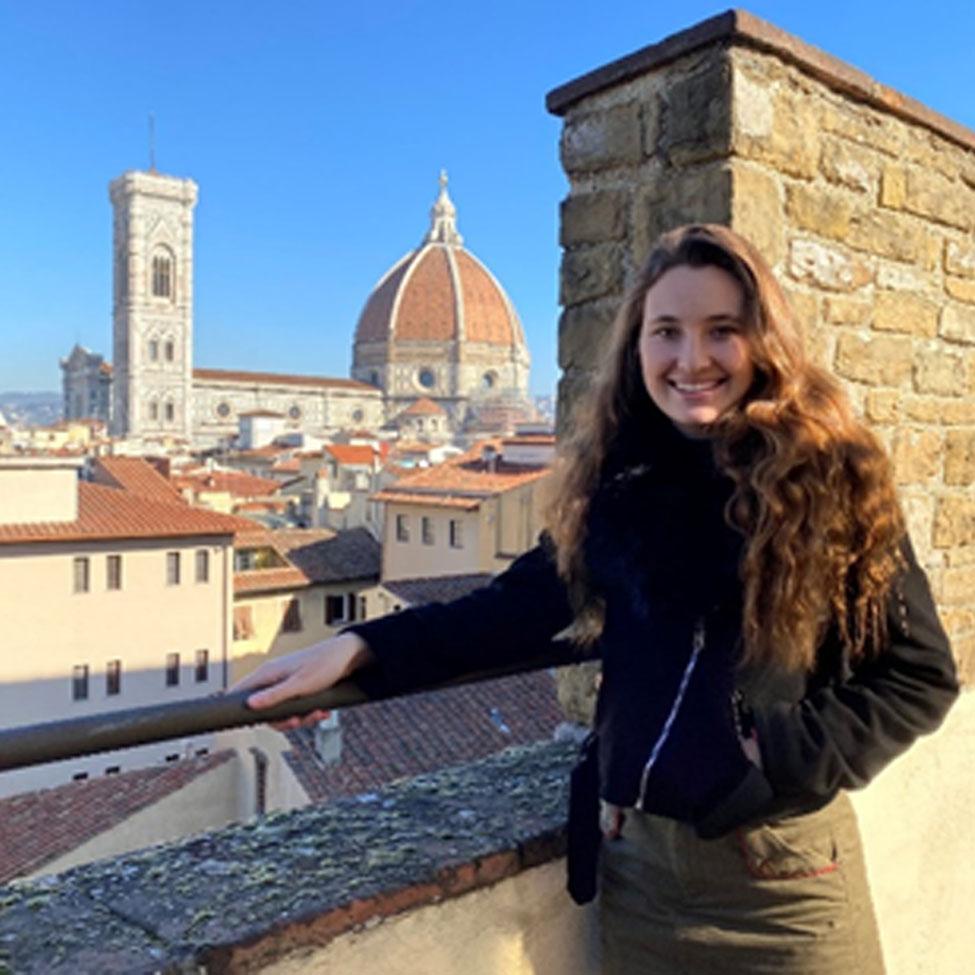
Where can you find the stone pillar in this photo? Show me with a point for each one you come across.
(861, 199)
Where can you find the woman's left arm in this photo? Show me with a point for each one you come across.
(843, 734)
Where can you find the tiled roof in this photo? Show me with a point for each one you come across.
(311, 556)
(437, 589)
(279, 379)
(135, 475)
(418, 300)
(405, 736)
(434, 500)
(233, 482)
(427, 307)
(488, 315)
(360, 454)
(290, 465)
(424, 407)
(269, 580)
(461, 478)
(38, 827)
(110, 513)
(351, 554)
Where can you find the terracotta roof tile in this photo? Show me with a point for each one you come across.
(355, 454)
(427, 310)
(406, 736)
(436, 589)
(487, 315)
(466, 475)
(233, 482)
(374, 321)
(110, 513)
(279, 379)
(270, 580)
(137, 476)
(433, 500)
(38, 827)
(424, 407)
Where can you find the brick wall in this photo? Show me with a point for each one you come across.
(861, 199)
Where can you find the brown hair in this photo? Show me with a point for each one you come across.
(813, 489)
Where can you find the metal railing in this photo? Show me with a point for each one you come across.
(71, 738)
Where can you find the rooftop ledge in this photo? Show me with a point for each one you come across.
(245, 898)
(739, 27)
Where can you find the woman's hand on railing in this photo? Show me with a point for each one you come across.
(304, 672)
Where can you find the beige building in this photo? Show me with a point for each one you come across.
(472, 514)
(112, 599)
(296, 588)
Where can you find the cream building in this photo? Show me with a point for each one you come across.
(438, 326)
(112, 599)
(472, 514)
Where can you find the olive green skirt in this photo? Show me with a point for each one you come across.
(788, 897)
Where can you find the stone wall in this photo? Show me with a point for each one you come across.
(862, 200)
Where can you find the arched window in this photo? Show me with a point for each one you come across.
(153, 350)
(170, 412)
(169, 351)
(162, 274)
(153, 410)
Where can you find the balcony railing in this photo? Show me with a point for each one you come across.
(50, 741)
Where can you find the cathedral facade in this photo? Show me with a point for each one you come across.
(437, 327)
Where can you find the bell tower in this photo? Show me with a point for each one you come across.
(152, 317)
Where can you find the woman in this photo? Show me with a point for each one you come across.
(727, 536)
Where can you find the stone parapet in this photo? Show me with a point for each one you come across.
(862, 200)
(252, 898)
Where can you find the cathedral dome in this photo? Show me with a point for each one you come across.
(439, 292)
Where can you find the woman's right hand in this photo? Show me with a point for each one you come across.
(304, 672)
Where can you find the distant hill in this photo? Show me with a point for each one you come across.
(31, 409)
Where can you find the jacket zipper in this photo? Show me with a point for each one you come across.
(697, 645)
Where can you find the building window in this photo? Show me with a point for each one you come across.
(162, 276)
(339, 608)
(426, 378)
(295, 412)
(172, 568)
(243, 623)
(456, 533)
(153, 350)
(113, 677)
(79, 682)
(82, 574)
(292, 616)
(202, 565)
(154, 411)
(169, 351)
(362, 607)
(358, 416)
(202, 669)
(113, 572)
(223, 410)
(488, 380)
(170, 412)
(172, 669)
(426, 530)
(402, 529)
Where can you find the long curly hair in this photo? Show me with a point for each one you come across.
(813, 493)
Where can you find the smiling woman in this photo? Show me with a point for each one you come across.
(729, 530)
(694, 354)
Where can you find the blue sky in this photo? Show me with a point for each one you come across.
(316, 132)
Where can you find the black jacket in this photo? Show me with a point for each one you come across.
(664, 561)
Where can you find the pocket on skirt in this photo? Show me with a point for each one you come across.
(789, 849)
